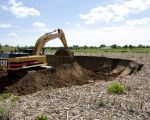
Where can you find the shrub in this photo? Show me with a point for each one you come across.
(42, 117)
(116, 88)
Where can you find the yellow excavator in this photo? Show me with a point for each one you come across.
(13, 62)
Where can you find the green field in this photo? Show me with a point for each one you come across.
(7, 49)
(136, 50)
(89, 50)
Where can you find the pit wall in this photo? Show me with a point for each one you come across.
(113, 65)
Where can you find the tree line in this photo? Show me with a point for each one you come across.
(102, 46)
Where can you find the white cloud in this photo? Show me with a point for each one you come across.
(3, 7)
(5, 26)
(143, 21)
(13, 35)
(68, 23)
(20, 11)
(78, 26)
(39, 25)
(115, 12)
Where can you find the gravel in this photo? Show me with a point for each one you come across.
(91, 101)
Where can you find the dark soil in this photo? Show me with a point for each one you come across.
(64, 76)
(64, 52)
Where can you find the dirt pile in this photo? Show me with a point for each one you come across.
(64, 52)
(64, 76)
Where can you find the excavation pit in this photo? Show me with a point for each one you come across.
(70, 71)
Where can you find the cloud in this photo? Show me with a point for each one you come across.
(68, 23)
(20, 11)
(39, 25)
(143, 21)
(13, 35)
(4, 7)
(5, 26)
(115, 12)
(78, 26)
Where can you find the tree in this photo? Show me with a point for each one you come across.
(85, 47)
(126, 46)
(114, 46)
(130, 46)
(102, 46)
(6, 45)
(141, 46)
(75, 46)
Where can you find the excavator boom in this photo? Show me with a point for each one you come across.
(47, 37)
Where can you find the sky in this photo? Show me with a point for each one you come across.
(84, 22)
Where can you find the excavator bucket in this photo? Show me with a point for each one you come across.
(64, 52)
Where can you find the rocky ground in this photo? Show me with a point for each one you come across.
(91, 101)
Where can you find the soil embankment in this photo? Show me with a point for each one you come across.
(67, 72)
(64, 76)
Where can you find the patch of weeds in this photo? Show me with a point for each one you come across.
(4, 96)
(128, 88)
(10, 96)
(42, 117)
(123, 51)
(7, 100)
(148, 113)
(101, 104)
(116, 88)
(4, 113)
(14, 98)
(131, 110)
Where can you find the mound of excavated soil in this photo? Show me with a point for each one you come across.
(64, 52)
(63, 76)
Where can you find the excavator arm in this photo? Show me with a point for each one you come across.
(47, 37)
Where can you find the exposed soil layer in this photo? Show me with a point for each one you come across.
(64, 76)
(68, 72)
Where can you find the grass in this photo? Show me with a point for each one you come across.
(14, 98)
(7, 49)
(42, 117)
(101, 104)
(90, 50)
(4, 96)
(116, 88)
(122, 50)
(7, 100)
(4, 113)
